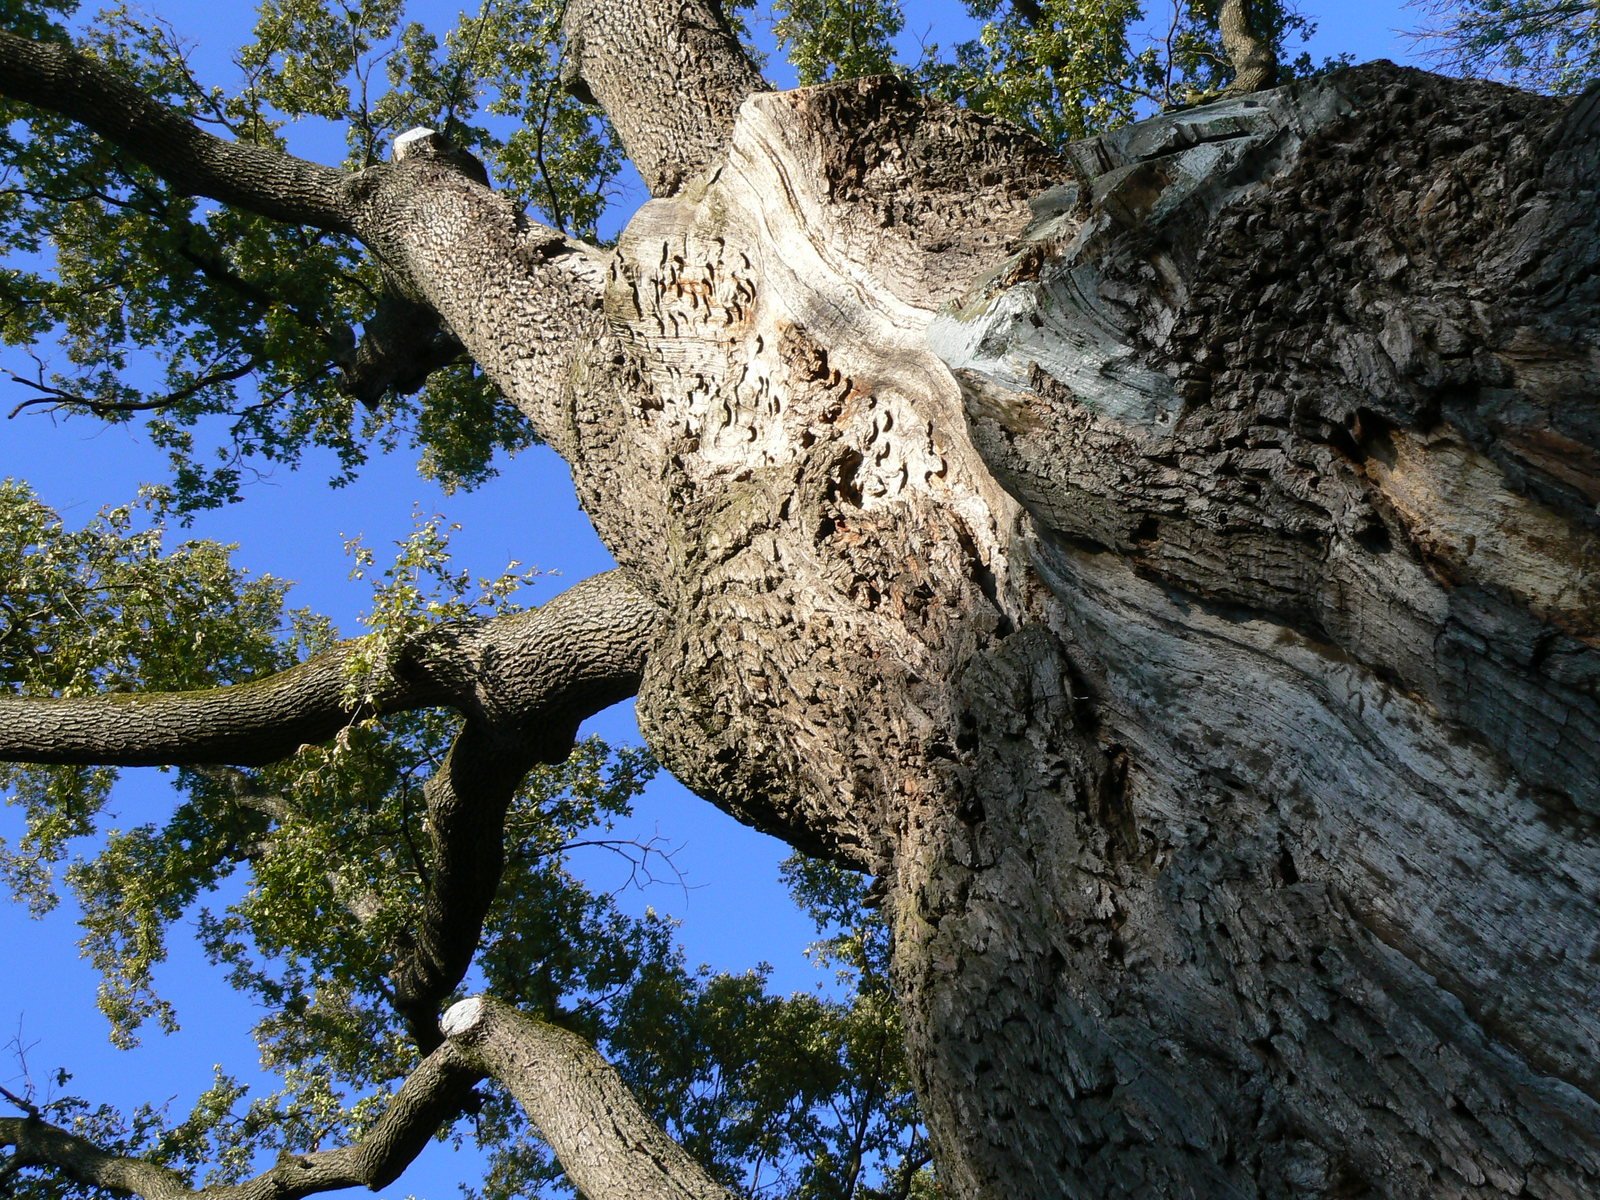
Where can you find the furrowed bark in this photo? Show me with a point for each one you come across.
(1201, 642)
(540, 672)
(1255, 66)
(431, 1095)
(1173, 571)
(522, 297)
(669, 73)
(445, 240)
(608, 1146)
(602, 640)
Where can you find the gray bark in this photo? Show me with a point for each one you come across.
(670, 74)
(1200, 643)
(1255, 66)
(1174, 572)
(432, 1093)
(533, 677)
(607, 1144)
(278, 185)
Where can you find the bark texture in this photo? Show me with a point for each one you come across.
(55, 77)
(534, 676)
(1254, 64)
(607, 1144)
(1175, 569)
(1201, 642)
(669, 73)
(430, 1095)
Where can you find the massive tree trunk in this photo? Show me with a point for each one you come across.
(1171, 567)
(1174, 572)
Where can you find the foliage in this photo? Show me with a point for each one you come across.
(108, 608)
(1546, 45)
(247, 325)
(1069, 69)
(837, 39)
(303, 877)
(805, 1096)
(1066, 69)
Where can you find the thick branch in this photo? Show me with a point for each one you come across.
(430, 1096)
(467, 799)
(1255, 66)
(56, 77)
(538, 672)
(401, 344)
(670, 74)
(441, 234)
(520, 296)
(606, 1143)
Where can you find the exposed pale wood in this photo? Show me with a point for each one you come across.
(1230, 789)
(1172, 568)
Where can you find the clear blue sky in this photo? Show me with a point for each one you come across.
(734, 914)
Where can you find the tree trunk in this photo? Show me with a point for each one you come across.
(1172, 568)
(1180, 587)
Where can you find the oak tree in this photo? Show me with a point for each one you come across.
(1163, 559)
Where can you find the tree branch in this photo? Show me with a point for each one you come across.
(402, 343)
(50, 395)
(467, 799)
(449, 243)
(440, 233)
(261, 180)
(534, 675)
(1255, 66)
(606, 1143)
(670, 74)
(430, 1096)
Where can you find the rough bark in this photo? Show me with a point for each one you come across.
(1255, 66)
(55, 77)
(1206, 657)
(1173, 571)
(522, 683)
(671, 76)
(607, 1144)
(535, 675)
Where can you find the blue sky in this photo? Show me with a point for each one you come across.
(733, 913)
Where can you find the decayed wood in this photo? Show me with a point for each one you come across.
(1253, 852)
(1172, 568)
